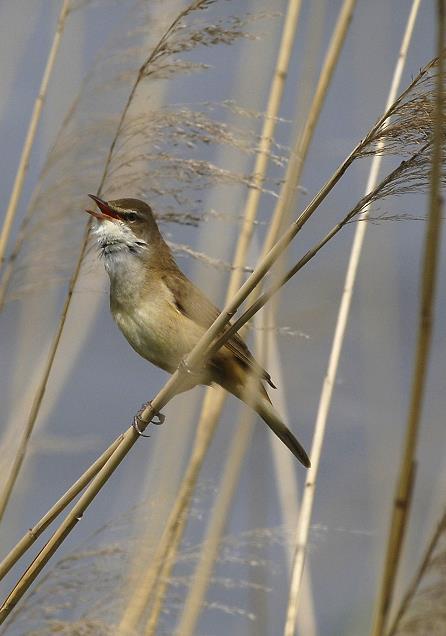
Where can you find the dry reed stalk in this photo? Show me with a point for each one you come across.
(8, 269)
(163, 581)
(157, 580)
(419, 575)
(34, 533)
(194, 601)
(34, 311)
(40, 392)
(291, 22)
(288, 492)
(166, 550)
(406, 473)
(295, 165)
(303, 527)
(214, 398)
(31, 134)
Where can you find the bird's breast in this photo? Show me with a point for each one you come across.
(154, 327)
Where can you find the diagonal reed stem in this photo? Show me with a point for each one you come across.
(303, 527)
(34, 533)
(406, 473)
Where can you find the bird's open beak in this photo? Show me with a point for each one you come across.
(105, 210)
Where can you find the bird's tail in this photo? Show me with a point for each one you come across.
(250, 390)
(266, 411)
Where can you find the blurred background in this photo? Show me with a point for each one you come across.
(97, 382)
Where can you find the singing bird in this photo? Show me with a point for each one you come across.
(163, 314)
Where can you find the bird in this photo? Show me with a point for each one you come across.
(162, 314)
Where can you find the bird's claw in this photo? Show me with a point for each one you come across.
(137, 422)
(157, 420)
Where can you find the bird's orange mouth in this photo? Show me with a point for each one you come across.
(106, 213)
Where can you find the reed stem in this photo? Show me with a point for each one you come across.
(406, 472)
(31, 133)
(303, 526)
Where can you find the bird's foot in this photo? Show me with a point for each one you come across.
(158, 419)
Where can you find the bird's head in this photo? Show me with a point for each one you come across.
(124, 225)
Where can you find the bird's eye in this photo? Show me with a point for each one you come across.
(131, 216)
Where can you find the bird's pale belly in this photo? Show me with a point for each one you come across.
(158, 332)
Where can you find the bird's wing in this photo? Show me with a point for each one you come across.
(191, 302)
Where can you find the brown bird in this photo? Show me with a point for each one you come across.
(163, 314)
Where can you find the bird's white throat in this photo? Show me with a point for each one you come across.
(113, 235)
(119, 246)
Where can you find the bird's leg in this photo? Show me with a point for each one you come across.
(138, 421)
